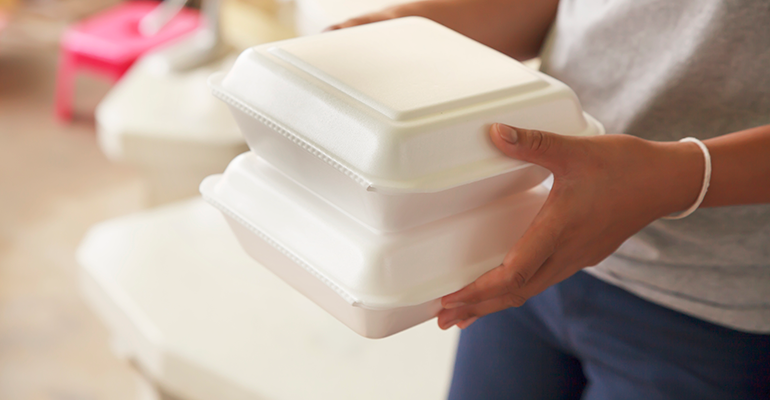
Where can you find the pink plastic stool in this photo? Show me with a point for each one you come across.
(109, 42)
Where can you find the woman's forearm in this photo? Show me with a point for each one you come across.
(740, 171)
(514, 27)
(740, 168)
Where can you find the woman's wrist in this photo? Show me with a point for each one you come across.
(680, 167)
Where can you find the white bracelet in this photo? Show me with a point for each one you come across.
(706, 179)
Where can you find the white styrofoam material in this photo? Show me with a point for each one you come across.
(163, 106)
(165, 123)
(204, 321)
(377, 283)
(390, 120)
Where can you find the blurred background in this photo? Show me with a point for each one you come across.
(54, 184)
(116, 280)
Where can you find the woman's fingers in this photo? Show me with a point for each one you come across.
(363, 20)
(519, 266)
(529, 267)
(386, 14)
(549, 150)
(468, 312)
(541, 238)
(448, 318)
(492, 284)
(551, 273)
(467, 322)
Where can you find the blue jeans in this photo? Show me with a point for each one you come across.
(587, 339)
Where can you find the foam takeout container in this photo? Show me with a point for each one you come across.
(389, 121)
(375, 282)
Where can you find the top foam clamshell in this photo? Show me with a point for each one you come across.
(389, 121)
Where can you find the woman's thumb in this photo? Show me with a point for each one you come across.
(542, 148)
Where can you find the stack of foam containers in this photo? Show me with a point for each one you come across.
(372, 186)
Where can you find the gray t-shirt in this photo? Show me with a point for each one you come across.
(663, 70)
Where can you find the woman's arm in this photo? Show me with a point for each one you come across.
(606, 189)
(514, 27)
(740, 164)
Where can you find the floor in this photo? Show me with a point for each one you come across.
(54, 184)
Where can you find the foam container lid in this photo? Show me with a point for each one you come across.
(399, 106)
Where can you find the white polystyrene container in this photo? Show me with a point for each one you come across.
(377, 283)
(166, 125)
(389, 121)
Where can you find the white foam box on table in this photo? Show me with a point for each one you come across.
(389, 121)
(165, 124)
(376, 283)
(204, 321)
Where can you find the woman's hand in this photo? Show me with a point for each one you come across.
(606, 188)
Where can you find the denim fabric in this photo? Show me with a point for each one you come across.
(585, 338)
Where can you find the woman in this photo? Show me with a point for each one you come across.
(603, 297)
